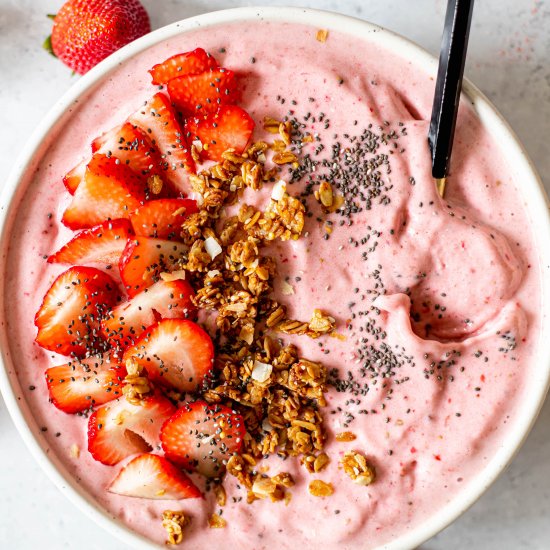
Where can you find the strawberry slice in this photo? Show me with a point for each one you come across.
(158, 120)
(102, 244)
(69, 318)
(203, 92)
(109, 190)
(229, 128)
(131, 146)
(162, 300)
(73, 178)
(152, 476)
(79, 385)
(162, 218)
(181, 64)
(119, 429)
(176, 352)
(203, 437)
(144, 259)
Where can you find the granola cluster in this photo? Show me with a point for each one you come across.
(225, 261)
(319, 488)
(174, 522)
(271, 487)
(136, 384)
(356, 467)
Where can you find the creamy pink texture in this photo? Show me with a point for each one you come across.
(436, 409)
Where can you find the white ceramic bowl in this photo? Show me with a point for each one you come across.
(533, 194)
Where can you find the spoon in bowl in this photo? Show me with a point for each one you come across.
(448, 86)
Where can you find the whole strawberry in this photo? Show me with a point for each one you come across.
(87, 31)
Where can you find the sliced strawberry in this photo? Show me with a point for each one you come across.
(229, 128)
(162, 300)
(144, 259)
(119, 429)
(102, 244)
(158, 120)
(203, 437)
(69, 318)
(176, 352)
(181, 64)
(79, 385)
(162, 218)
(108, 191)
(204, 92)
(73, 178)
(152, 476)
(131, 146)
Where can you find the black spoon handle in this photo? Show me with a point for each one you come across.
(454, 45)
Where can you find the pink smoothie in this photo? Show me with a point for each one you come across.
(437, 300)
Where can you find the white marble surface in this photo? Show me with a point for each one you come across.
(508, 60)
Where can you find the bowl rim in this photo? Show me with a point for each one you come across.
(406, 50)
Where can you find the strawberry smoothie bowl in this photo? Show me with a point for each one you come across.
(235, 311)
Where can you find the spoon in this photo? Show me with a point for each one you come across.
(452, 57)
